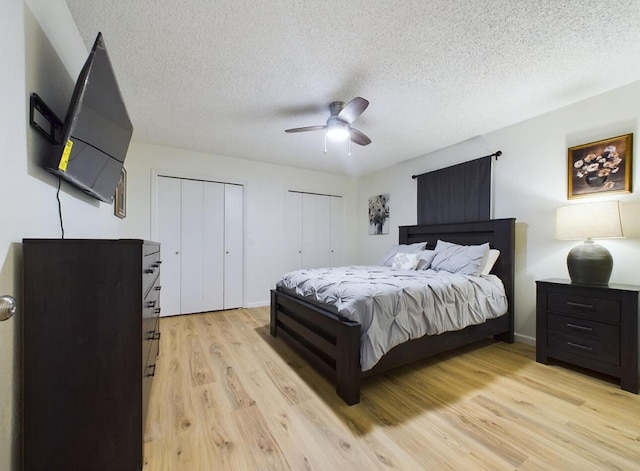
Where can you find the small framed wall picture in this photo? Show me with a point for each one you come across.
(600, 167)
(379, 214)
(120, 200)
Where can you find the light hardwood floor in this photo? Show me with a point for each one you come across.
(228, 396)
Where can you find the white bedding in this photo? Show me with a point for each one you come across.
(394, 306)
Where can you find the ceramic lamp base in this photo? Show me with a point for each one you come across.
(590, 264)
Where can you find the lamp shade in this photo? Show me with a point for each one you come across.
(589, 263)
(600, 220)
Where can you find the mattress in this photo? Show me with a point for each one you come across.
(394, 306)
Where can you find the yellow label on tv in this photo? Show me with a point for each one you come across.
(64, 161)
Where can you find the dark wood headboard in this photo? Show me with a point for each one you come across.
(499, 233)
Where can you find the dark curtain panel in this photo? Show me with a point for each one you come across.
(461, 193)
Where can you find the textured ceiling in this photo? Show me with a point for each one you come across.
(227, 77)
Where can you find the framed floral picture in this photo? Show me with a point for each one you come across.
(379, 214)
(601, 167)
(120, 200)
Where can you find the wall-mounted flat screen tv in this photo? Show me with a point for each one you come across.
(97, 130)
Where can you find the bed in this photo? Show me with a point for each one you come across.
(331, 343)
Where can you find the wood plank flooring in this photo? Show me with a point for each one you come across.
(228, 396)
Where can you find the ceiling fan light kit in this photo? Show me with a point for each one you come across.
(337, 130)
(338, 126)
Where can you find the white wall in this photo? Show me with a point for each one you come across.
(265, 187)
(13, 145)
(530, 181)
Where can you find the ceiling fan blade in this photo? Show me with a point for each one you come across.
(307, 128)
(359, 137)
(353, 109)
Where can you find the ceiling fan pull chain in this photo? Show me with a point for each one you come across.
(325, 141)
(349, 141)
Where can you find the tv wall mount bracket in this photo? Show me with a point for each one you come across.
(41, 115)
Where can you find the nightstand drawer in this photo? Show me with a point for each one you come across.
(587, 348)
(584, 329)
(585, 307)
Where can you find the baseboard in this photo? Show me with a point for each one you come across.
(259, 304)
(525, 339)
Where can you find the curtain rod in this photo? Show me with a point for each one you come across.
(496, 154)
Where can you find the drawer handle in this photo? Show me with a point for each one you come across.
(580, 327)
(158, 288)
(151, 335)
(153, 370)
(157, 310)
(157, 336)
(581, 347)
(580, 306)
(151, 303)
(149, 271)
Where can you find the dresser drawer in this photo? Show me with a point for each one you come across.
(150, 270)
(585, 307)
(151, 303)
(584, 329)
(586, 348)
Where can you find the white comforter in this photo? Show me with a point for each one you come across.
(394, 306)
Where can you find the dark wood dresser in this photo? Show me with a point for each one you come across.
(90, 341)
(595, 327)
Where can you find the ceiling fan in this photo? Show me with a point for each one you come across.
(338, 125)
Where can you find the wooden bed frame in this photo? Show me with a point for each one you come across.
(331, 344)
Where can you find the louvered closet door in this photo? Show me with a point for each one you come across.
(168, 224)
(233, 246)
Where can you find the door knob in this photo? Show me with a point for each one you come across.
(7, 307)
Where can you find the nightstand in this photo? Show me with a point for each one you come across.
(595, 327)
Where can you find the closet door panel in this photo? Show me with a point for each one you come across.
(337, 228)
(323, 230)
(213, 246)
(168, 232)
(293, 231)
(233, 246)
(309, 235)
(192, 229)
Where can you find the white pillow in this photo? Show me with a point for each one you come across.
(405, 261)
(387, 260)
(491, 261)
(426, 256)
(454, 258)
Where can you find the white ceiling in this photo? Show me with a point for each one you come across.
(228, 77)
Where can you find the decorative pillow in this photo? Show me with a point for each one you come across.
(466, 259)
(426, 256)
(491, 261)
(405, 261)
(387, 260)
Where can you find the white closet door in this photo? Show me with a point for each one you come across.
(192, 229)
(293, 231)
(233, 246)
(337, 215)
(323, 230)
(213, 246)
(309, 237)
(168, 234)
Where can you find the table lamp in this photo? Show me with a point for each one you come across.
(589, 263)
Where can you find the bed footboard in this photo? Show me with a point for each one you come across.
(330, 344)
